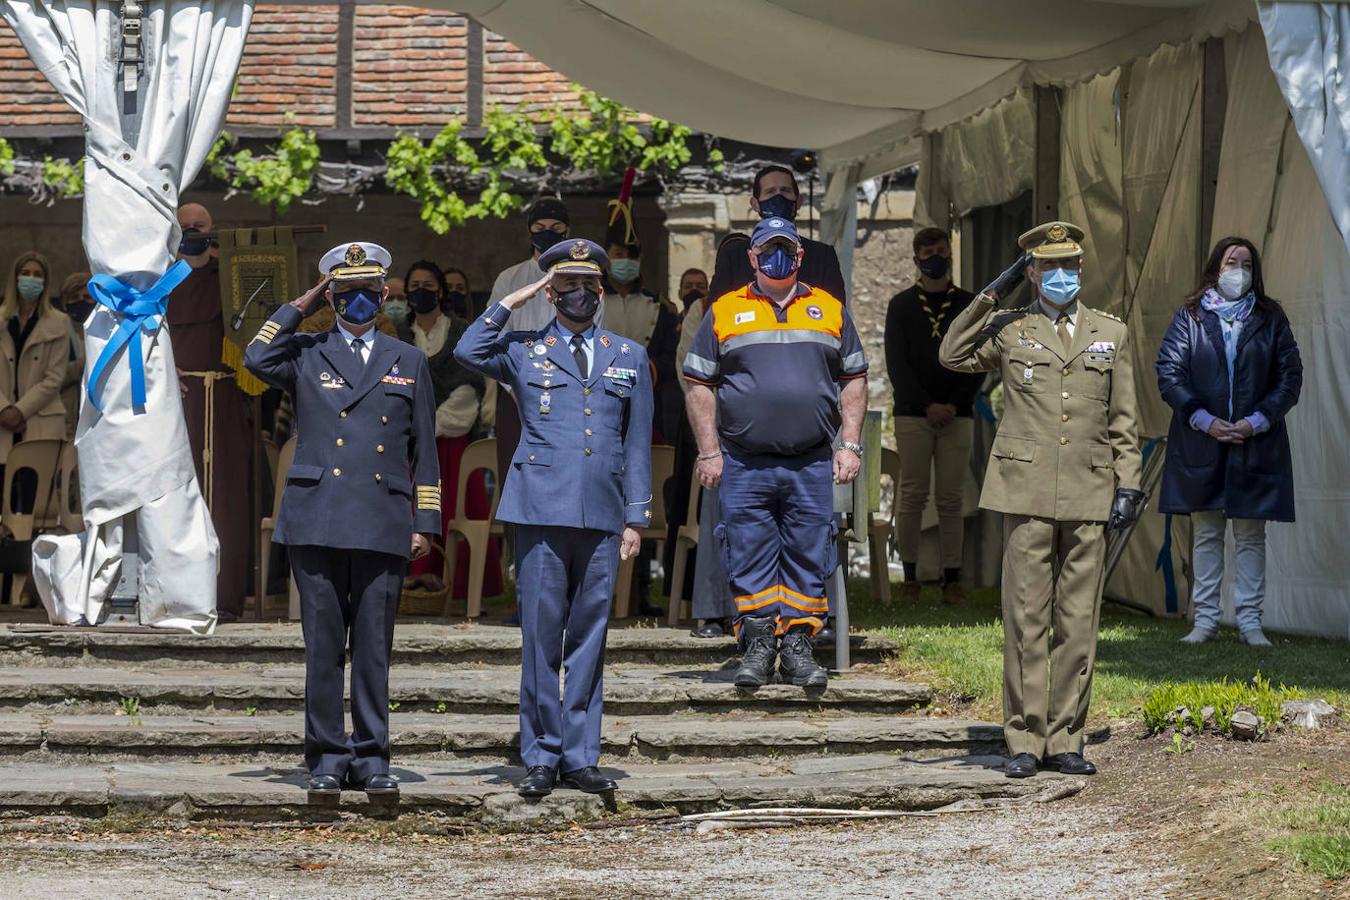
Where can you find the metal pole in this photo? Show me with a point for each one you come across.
(837, 592)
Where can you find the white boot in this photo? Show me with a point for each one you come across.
(1198, 635)
(1254, 637)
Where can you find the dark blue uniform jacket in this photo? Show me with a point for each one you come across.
(366, 473)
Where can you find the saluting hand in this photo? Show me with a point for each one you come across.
(630, 544)
(312, 299)
(519, 298)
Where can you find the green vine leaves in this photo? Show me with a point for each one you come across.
(452, 179)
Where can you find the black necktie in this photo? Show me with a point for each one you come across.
(357, 346)
(579, 354)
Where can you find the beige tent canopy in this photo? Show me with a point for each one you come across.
(1169, 123)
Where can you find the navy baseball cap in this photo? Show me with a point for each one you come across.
(772, 227)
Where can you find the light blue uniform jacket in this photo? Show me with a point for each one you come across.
(584, 458)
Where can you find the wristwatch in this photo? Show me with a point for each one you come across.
(856, 449)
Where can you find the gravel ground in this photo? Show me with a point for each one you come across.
(1055, 850)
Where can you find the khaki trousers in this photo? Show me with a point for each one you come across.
(1052, 576)
(929, 454)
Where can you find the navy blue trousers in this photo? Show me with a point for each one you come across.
(347, 597)
(777, 534)
(564, 585)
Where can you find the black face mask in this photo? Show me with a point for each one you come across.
(935, 266)
(423, 300)
(578, 305)
(79, 310)
(457, 302)
(541, 241)
(192, 244)
(780, 205)
(691, 297)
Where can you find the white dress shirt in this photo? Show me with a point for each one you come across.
(367, 340)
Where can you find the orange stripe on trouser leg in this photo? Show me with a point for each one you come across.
(805, 604)
(749, 604)
(815, 623)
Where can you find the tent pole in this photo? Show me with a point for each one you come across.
(1213, 111)
(1045, 191)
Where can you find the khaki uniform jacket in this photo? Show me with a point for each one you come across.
(41, 373)
(1068, 437)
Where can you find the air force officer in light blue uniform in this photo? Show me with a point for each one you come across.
(579, 489)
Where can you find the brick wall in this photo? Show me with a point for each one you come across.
(409, 67)
(289, 68)
(513, 79)
(25, 96)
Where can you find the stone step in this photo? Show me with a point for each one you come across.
(497, 737)
(629, 690)
(485, 796)
(415, 643)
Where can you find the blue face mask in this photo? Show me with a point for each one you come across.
(1060, 286)
(358, 306)
(777, 262)
(779, 205)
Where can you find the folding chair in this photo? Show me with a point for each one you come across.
(879, 530)
(269, 525)
(478, 456)
(685, 539)
(40, 457)
(663, 469)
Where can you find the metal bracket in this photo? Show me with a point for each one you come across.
(130, 60)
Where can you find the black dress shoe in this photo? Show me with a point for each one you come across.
(1023, 765)
(1068, 764)
(709, 628)
(825, 636)
(380, 785)
(538, 782)
(324, 785)
(588, 780)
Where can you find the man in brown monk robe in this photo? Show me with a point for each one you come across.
(197, 330)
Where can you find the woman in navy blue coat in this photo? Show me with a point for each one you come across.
(1229, 367)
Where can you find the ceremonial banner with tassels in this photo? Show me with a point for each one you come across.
(257, 275)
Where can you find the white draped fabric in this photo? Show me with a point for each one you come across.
(1309, 50)
(143, 149)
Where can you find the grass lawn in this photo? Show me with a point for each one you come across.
(1317, 833)
(960, 652)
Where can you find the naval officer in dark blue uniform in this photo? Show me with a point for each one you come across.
(579, 488)
(362, 495)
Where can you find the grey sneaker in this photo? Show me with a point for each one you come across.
(1198, 635)
(1254, 637)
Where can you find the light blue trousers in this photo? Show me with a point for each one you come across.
(1249, 582)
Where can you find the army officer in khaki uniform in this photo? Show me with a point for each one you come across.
(1065, 467)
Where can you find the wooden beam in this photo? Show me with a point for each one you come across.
(1045, 191)
(342, 86)
(1213, 111)
(473, 54)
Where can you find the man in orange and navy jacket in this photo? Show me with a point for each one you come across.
(790, 374)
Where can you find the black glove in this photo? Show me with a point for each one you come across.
(1009, 278)
(1126, 509)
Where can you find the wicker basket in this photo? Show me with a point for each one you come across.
(422, 603)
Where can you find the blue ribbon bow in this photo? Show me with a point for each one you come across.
(134, 309)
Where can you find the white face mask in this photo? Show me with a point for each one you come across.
(1234, 283)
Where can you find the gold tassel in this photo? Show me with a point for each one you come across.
(233, 359)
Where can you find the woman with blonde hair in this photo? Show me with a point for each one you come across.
(35, 351)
